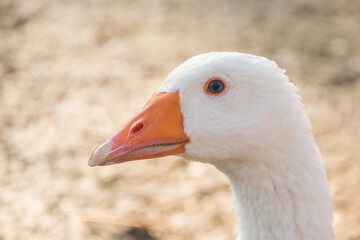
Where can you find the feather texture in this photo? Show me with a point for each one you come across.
(258, 134)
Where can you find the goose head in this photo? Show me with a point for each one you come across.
(212, 108)
(239, 113)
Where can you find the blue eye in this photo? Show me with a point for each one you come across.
(215, 86)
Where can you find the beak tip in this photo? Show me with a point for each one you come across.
(100, 153)
(91, 163)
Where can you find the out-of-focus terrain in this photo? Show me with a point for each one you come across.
(72, 72)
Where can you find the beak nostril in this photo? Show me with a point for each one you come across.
(137, 128)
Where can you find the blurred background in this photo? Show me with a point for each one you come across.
(72, 72)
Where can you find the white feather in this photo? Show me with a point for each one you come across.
(257, 133)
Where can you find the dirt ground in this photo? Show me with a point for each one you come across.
(72, 72)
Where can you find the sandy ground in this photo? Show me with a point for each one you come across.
(72, 72)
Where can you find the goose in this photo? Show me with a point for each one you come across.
(240, 113)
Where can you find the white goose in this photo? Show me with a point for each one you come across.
(239, 113)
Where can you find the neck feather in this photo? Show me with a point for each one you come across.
(285, 197)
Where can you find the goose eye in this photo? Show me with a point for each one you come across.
(215, 86)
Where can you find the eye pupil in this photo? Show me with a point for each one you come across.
(216, 86)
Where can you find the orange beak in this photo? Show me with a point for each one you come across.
(156, 132)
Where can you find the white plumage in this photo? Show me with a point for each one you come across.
(257, 133)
